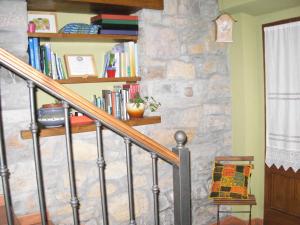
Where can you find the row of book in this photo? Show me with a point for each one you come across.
(116, 24)
(43, 59)
(114, 102)
(123, 58)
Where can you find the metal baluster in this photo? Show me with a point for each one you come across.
(4, 173)
(101, 165)
(182, 182)
(36, 152)
(155, 188)
(74, 200)
(129, 181)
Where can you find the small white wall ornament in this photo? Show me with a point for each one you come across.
(224, 25)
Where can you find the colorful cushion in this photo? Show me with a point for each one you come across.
(230, 181)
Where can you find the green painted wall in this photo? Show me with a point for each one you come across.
(246, 65)
(95, 48)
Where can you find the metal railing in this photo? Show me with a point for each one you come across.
(179, 157)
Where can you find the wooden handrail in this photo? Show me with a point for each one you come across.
(24, 70)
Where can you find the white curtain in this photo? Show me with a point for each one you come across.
(282, 68)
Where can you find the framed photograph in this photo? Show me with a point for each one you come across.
(45, 22)
(80, 65)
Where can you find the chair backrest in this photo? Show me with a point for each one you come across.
(235, 159)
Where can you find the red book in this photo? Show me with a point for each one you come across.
(113, 17)
(113, 102)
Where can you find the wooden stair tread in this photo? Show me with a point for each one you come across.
(249, 201)
(3, 219)
(1, 200)
(49, 223)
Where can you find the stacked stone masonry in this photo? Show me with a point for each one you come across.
(183, 67)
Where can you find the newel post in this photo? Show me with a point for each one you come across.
(182, 182)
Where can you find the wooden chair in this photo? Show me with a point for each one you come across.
(223, 201)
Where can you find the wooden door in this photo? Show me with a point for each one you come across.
(282, 197)
(282, 188)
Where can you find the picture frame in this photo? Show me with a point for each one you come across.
(80, 65)
(45, 22)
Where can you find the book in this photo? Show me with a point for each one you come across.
(118, 105)
(42, 58)
(48, 59)
(127, 62)
(64, 74)
(124, 101)
(106, 94)
(137, 72)
(53, 66)
(113, 17)
(125, 22)
(117, 26)
(119, 32)
(132, 59)
(36, 53)
(58, 71)
(31, 54)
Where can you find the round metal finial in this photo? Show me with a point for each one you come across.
(180, 138)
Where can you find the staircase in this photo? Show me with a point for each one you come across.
(178, 158)
(32, 219)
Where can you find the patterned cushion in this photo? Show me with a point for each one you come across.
(230, 181)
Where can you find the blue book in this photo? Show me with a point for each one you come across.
(31, 55)
(120, 32)
(48, 59)
(36, 52)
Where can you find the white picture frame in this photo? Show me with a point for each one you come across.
(45, 22)
(80, 65)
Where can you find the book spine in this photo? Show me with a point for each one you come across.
(118, 105)
(137, 72)
(36, 52)
(48, 56)
(58, 71)
(53, 66)
(108, 101)
(42, 56)
(132, 59)
(113, 103)
(61, 68)
(113, 17)
(121, 32)
(127, 101)
(127, 62)
(124, 101)
(106, 94)
(125, 22)
(31, 53)
(123, 65)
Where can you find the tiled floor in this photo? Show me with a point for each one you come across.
(230, 220)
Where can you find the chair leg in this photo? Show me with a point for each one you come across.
(218, 216)
(250, 215)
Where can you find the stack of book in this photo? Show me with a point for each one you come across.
(124, 59)
(43, 59)
(116, 24)
(114, 102)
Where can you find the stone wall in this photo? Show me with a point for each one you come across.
(186, 70)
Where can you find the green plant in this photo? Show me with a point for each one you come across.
(149, 102)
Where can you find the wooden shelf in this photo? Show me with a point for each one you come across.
(47, 132)
(80, 80)
(94, 6)
(87, 37)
